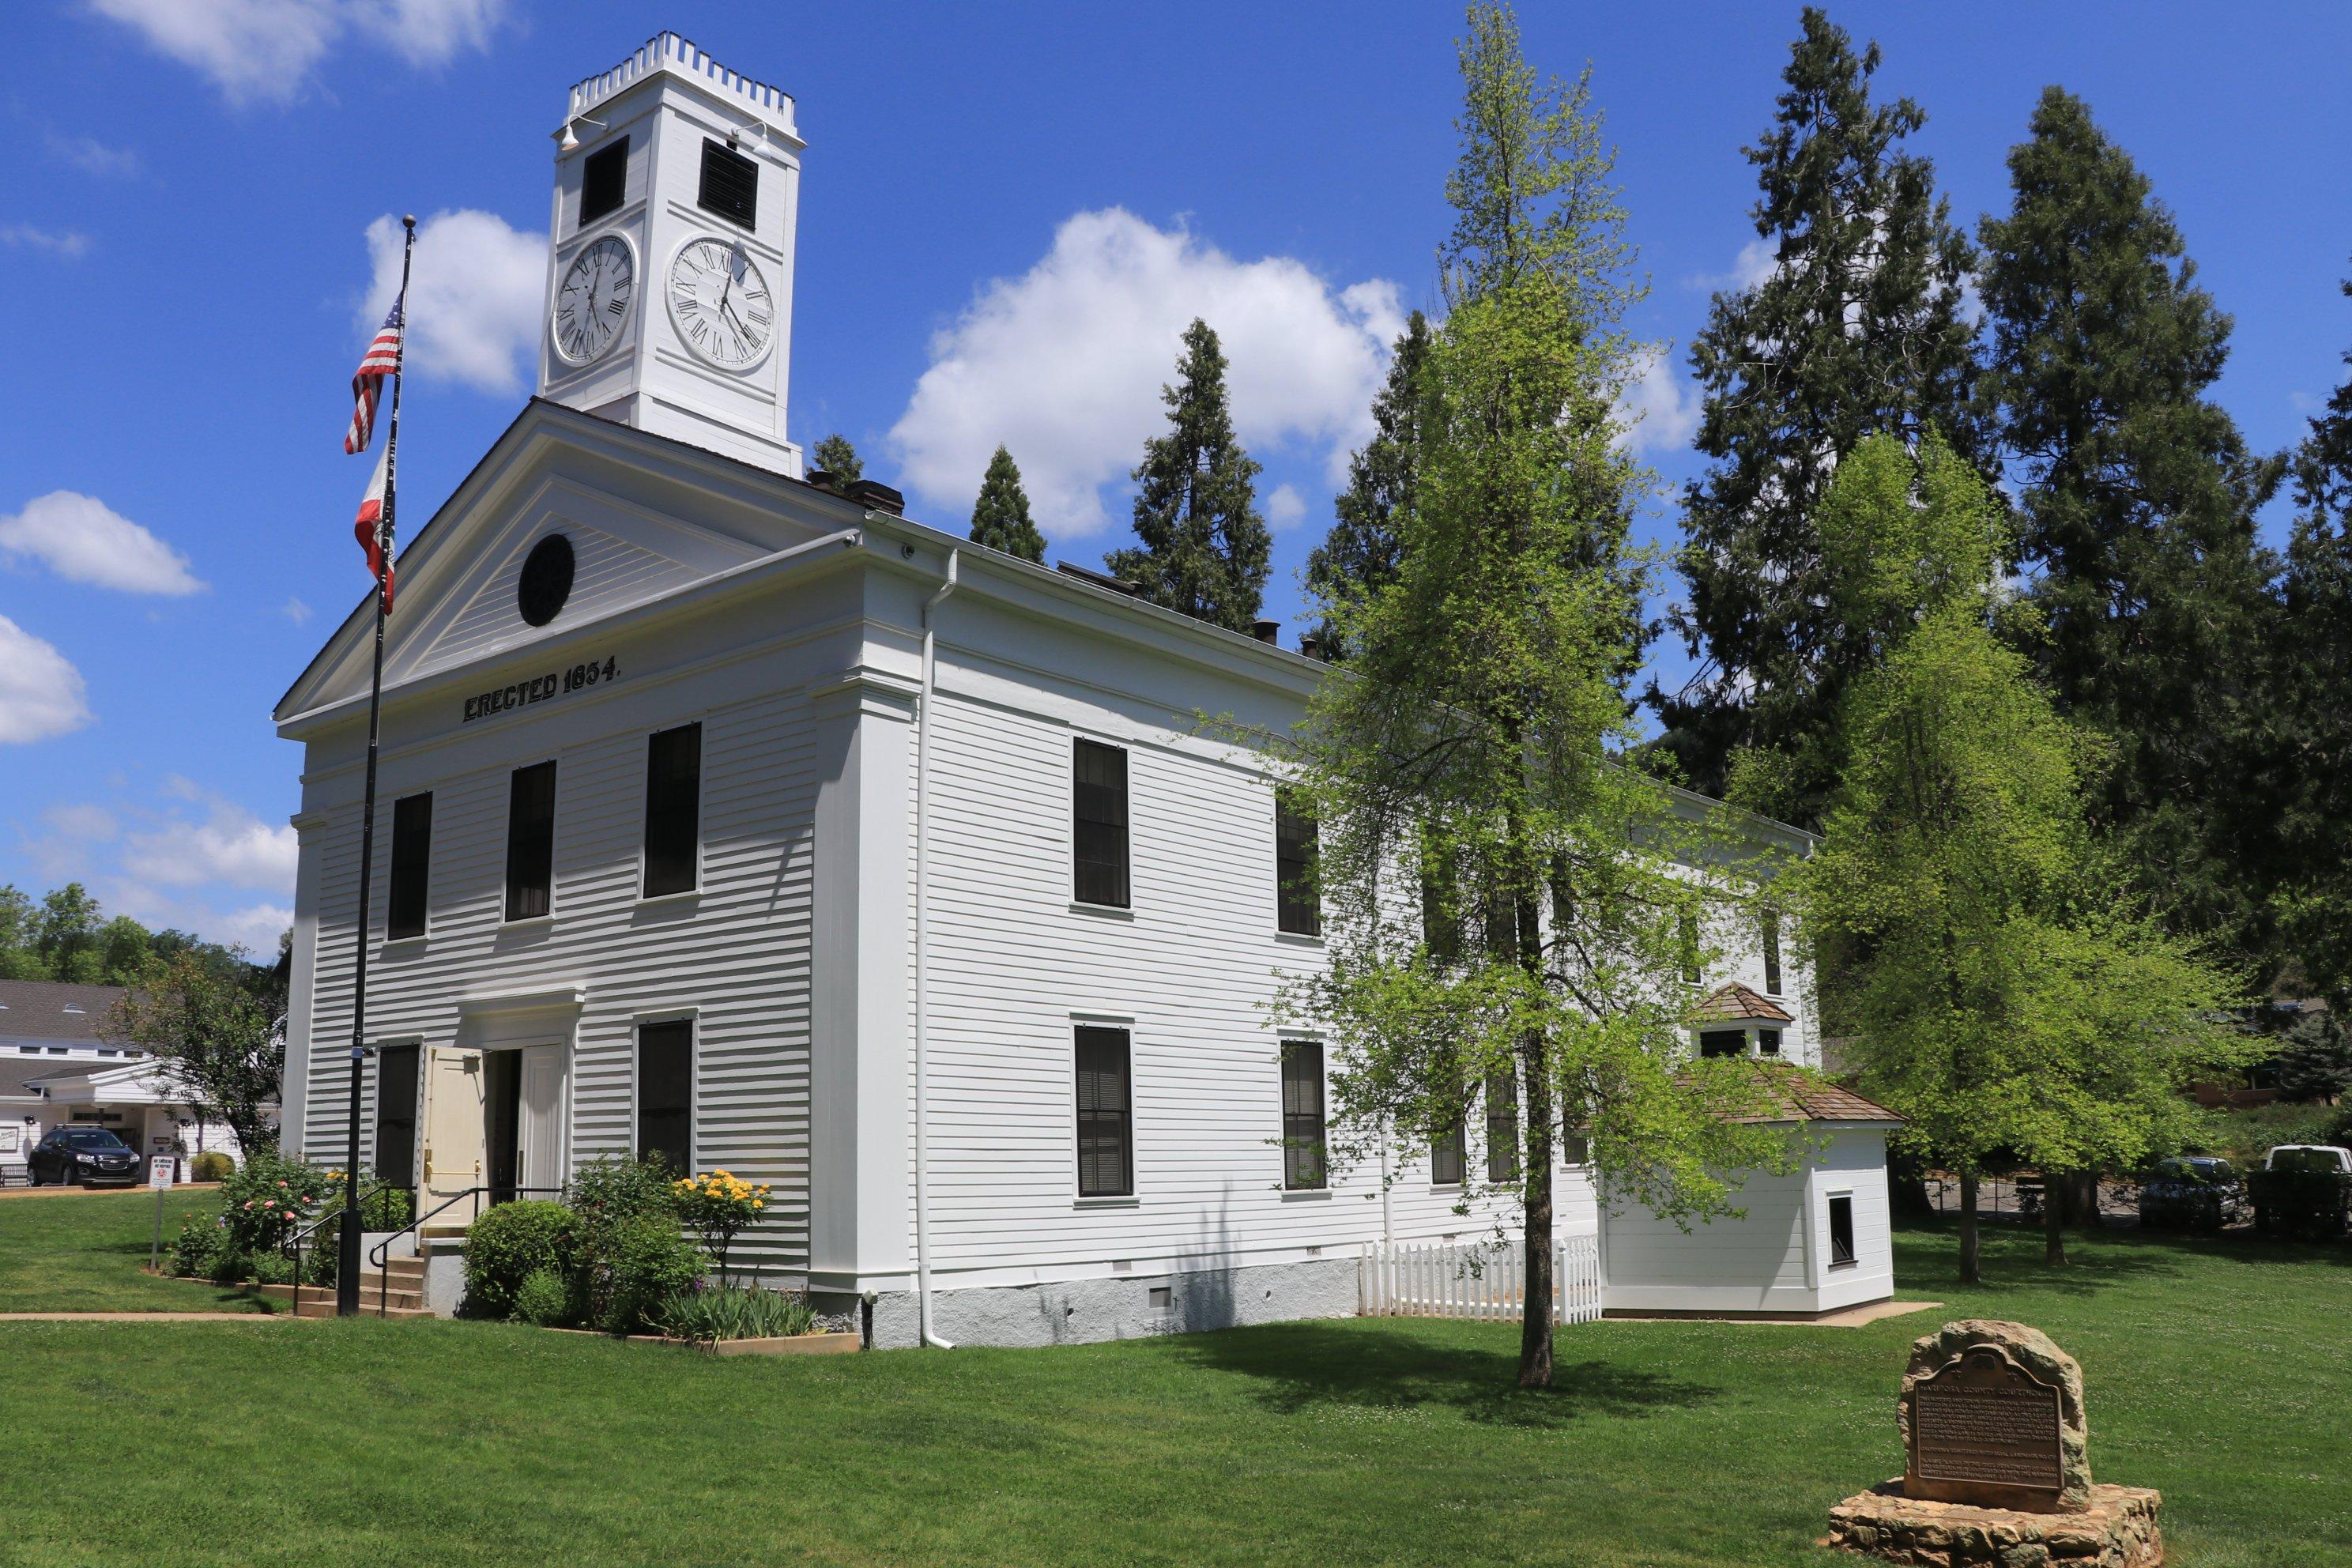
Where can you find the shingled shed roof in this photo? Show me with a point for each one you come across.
(1736, 1003)
(1791, 1094)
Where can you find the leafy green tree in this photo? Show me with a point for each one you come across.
(999, 518)
(68, 941)
(1469, 746)
(221, 1024)
(1204, 548)
(20, 930)
(835, 456)
(1858, 328)
(2314, 1058)
(2138, 495)
(2003, 989)
(1360, 553)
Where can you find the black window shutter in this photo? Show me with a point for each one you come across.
(530, 841)
(1297, 907)
(395, 1114)
(1098, 825)
(412, 860)
(673, 809)
(1302, 1116)
(603, 179)
(1106, 1119)
(666, 1093)
(730, 184)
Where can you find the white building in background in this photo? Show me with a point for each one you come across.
(57, 1069)
(746, 821)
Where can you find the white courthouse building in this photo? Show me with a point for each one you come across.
(732, 816)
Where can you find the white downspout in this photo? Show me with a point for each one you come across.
(922, 942)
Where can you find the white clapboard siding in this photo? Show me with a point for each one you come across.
(1481, 1280)
(737, 954)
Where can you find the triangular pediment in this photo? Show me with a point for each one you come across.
(646, 517)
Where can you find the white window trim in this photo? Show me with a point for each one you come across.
(1288, 1038)
(554, 847)
(1133, 1196)
(1070, 829)
(1830, 1265)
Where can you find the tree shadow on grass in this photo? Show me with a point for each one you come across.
(1926, 1256)
(1301, 1366)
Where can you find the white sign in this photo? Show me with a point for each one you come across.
(160, 1171)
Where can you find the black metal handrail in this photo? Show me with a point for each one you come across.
(379, 1254)
(291, 1248)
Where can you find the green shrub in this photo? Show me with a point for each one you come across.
(229, 1267)
(507, 1244)
(736, 1312)
(203, 1236)
(545, 1298)
(211, 1165)
(270, 1198)
(2304, 1204)
(270, 1268)
(646, 1263)
(609, 1196)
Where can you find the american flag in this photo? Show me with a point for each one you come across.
(382, 359)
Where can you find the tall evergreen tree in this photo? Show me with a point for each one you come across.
(1857, 329)
(999, 518)
(835, 456)
(2137, 494)
(1204, 547)
(1359, 554)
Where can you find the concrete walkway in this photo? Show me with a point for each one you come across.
(1851, 1318)
(148, 1317)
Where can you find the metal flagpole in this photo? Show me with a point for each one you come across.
(347, 1250)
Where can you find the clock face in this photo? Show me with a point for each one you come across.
(720, 299)
(593, 300)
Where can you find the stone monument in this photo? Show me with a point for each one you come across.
(1996, 1465)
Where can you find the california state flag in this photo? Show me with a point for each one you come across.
(369, 526)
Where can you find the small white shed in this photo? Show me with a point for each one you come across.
(1810, 1243)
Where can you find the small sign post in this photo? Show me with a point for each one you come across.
(160, 1173)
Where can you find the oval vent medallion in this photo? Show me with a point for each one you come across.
(546, 580)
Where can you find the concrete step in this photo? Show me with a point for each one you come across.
(324, 1307)
(372, 1288)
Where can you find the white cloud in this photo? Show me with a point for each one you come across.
(1658, 409)
(91, 824)
(1755, 263)
(231, 845)
(83, 540)
(1064, 365)
(265, 50)
(473, 298)
(1284, 509)
(294, 610)
(91, 155)
(68, 244)
(41, 693)
(255, 928)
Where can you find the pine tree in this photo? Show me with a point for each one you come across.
(2138, 495)
(1857, 329)
(999, 518)
(1360, 553)
(835, 456)
(1204, 547)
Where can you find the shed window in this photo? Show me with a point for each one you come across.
(1772, 952)
(1098, 825)
(1302, 1116)
(730, 184)
(411, 858)
(666, 1093)
(530, 841)
(1105, 1114)
(395, 1114)
(1297, 907)
(673, 809)
(1723, 1043)
(1768, 1042)
(1841, 1230)
(1502, 1126)
(603, 179)
(1446, 1159)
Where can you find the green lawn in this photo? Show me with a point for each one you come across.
(83, 1252)
(2220, 1372)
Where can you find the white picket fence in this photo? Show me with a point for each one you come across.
(1484, 1280)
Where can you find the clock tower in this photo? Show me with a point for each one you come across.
(670, 253)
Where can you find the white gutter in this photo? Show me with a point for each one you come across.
(922, 933)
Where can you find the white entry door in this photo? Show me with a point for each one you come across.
(540, 1130)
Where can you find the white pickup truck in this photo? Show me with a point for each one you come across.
(2309, 1157)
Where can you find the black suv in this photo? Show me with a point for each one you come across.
(89, 1155)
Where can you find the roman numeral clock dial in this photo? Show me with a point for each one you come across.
(719, 300)
(592, 301)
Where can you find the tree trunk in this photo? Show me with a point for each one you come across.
(2086, 1214)
(2057, 1194)
(1971, 1253)
(1534, 1323)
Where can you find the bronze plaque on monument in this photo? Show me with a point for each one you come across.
(1984, 1420)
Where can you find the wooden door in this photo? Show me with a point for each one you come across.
(455, 1130)
(540, 1129)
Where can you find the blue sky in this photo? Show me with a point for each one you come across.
(1023, 194)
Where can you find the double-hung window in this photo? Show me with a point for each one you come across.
(666, 1093)
(1302, 1116)
(1105, 1113)
(1448, 1159)
(530, 841)
(1502, 1126)
(412, 859)
(1299, 908)
(673, 809)
(1098, 849)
